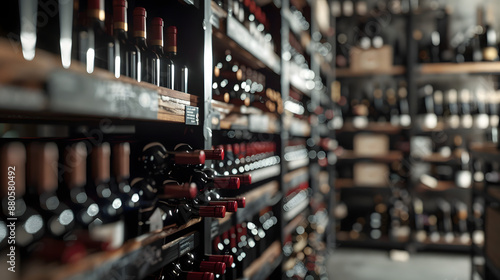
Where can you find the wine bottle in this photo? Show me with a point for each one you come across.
(110, 226)
(214, 154)
(434, 235)
(347, 8)
(452, 101)
(190, 262)
(434, 48)
(29, 224)
(404, 107)
(100, 51)
(378, 104)
(28, 33)
(85, 208)
(465, 108)
(489, 38)
(167, 73)
(43, 177)
(149, 59)
(493, 101)
(438, 104)
(461, 218)
(342, 51)
(429, 118)
(445, 209)
(157, 160)
(172, 53)
(418, 206)
(481, 118)
(66, 15)
(127, 54)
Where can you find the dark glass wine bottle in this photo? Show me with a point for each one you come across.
(149, 59)
(29, 224)
(127, 54)
(100, 46)
(43, 177)
(167, 70)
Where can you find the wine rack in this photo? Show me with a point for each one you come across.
(422, 65)
(275, 173)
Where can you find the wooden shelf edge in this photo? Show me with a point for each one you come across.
(348, 73)
(459, 68)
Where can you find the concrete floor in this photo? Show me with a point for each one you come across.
(362, 264)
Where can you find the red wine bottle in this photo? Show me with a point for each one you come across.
(99, 188)
(190, 262)
(156, 160)
(100, 46)
(181, 82)
(127, 55)
(121, 171)
(149, 71)
(29, 226)
(86, 210)
(167, 73)
(43, 177)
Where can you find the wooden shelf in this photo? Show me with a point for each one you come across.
(485, 151)
(460, 68)
(132, 260)
(41, 89)
(396, 70)
(441, 186)
(350, 155)
(378, 127)
(438, 158)
(345, 239)
(347, 183)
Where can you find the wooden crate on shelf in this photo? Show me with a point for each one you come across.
(371, 59)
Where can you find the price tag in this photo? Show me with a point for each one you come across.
(192, 115)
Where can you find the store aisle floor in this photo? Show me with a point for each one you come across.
(362, 264)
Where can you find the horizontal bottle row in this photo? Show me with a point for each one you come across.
(86, 36)
(446, 223)
(304, 252)
(257, 21)
(247, 241)
(193, 266)
(241, 158)
(85, 193)
(460, 108)
(374, 103)
(376, 218)
(238, 84)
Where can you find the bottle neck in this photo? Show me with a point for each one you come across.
(141, 42)
(158, 49)
(120, 34)
(96, 23)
